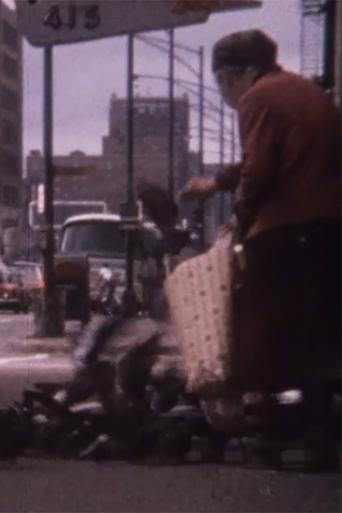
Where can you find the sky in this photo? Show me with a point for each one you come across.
(87, 74)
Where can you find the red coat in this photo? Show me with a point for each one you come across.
(291, 166)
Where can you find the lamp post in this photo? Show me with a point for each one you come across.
(201, 110)
(203, 105)
(221, 152)
(50, 322)
(158, 43)
(201, 140)
(171, 177)
(129, 299)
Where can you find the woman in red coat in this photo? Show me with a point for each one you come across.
(287, 202)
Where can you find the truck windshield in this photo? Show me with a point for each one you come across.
(94, 238)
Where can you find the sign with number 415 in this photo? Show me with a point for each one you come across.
(51, 22)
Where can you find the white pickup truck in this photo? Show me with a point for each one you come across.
(101, 239)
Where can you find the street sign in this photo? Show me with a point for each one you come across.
(53, 22)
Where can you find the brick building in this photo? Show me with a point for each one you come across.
(107, 182)
(95, 183)
(10, 119)
(151, 132)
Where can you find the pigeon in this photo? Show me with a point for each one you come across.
(94, 339)
(104, 447)
(95, 379)
(165, 390)
(49, 387)
(134, 369)
(44, 400)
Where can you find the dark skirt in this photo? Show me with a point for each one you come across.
(288, 306)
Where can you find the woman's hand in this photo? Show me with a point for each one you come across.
(199, 187)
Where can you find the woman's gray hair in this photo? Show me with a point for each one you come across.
(250, 48)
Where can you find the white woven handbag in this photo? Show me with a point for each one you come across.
(199, 292)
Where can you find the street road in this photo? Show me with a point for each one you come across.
(45, 485)
(24, 360)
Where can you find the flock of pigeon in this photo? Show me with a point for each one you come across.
(111, 410)
(118, 409)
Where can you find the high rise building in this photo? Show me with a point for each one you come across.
(85, 177)
(151, 141)
(10, 119)
(102, 178)
(321, 44)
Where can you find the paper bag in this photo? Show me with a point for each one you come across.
(199, 292)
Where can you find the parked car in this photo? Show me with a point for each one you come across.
(90, 242)
(99, 237)
(30, 279)
(11, 290)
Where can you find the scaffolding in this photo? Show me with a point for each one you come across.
(312, 38)
(319, 29)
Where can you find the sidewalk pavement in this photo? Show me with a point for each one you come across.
(57, 486)
(132, 332)
(31, 344)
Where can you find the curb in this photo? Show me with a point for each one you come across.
(56, 345)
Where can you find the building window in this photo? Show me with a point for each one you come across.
(9, 223)
(9, 99)
(10, 196)
(10, 163)
(10, 67)
(9, 132)
(10, 36)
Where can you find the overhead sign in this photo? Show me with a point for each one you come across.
(53, 22)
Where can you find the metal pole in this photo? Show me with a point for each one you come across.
(222, 196)
(49, 324)
(330, 9)
(232, 158)
(130, 120)
(171, 177)
(28, 188)
(129, 298)
(232, 147)
(201, 133)
(338, 66)
(201, 109)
